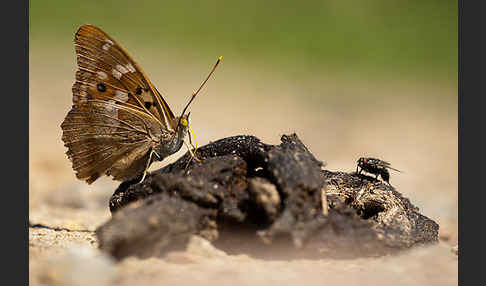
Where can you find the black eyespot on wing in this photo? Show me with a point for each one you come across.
(138, 91)
(101, 87)
(148, 104)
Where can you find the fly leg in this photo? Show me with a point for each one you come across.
(385, 175)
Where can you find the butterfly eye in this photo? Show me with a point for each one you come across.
(184, 122)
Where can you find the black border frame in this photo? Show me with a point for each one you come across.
(471, 106)
(15, 193)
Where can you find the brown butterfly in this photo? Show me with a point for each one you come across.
(119, 123)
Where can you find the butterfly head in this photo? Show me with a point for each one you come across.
(181, 124)
(185, 120)
(183, 127)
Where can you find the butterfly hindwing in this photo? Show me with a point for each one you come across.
(101, 136)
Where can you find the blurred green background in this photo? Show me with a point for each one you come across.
(370, 39)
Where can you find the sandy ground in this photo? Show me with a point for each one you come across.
(338, 120)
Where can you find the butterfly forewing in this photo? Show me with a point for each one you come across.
(117, 115)
(107, 71)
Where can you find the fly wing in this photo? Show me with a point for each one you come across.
(386, 165)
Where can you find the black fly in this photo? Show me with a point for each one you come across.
(376, 167)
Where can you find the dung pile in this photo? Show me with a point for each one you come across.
(272, 201)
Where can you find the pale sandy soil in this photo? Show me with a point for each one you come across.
(339, 121)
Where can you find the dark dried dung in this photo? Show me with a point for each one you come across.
(263, 200)
(153, 226)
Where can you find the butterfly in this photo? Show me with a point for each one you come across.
(119, 122)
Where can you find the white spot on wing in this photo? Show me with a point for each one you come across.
(122, 69)
(102, 75)
(131, 68)
(83, 97)
(108, 44)
(116, 74)
(121, 96)
(80, 96)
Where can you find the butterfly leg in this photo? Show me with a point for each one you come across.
(148, 165)
(194, 147)
(143, 177)
(192, 155)
(195, 141)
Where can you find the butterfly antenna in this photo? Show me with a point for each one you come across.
(199, 89)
